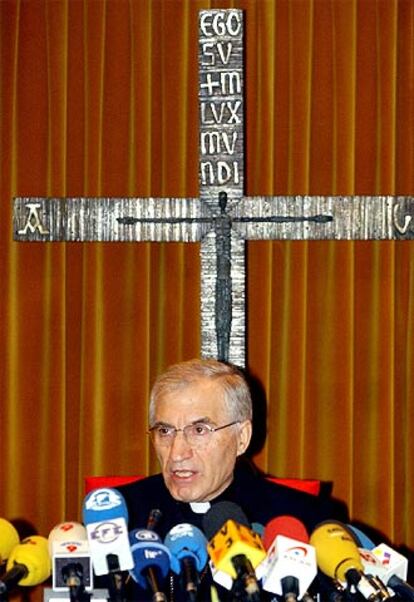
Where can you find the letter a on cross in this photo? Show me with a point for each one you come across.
(222, 218)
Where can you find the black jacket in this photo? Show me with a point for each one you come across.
(260, 499)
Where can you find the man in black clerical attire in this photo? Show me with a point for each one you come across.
(200, 420)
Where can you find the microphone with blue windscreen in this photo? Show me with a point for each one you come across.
(361, 539)
(151, 562)
(105, 516)
(188, 548)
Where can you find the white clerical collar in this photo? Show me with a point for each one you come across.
(200, 507)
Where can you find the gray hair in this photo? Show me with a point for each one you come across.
(237, 396)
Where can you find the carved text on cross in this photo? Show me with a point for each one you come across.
(222, 219)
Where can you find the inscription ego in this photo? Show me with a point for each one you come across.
(220, 23)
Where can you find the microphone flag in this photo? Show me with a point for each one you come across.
(105, 515)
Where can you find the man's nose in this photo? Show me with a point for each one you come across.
(180, 449)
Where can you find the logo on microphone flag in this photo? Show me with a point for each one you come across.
(231, 540)
(107, 532)
(289, 557)
(383, 555)
(297, 552)
(103, 499)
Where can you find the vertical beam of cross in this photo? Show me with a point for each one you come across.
(221, 180)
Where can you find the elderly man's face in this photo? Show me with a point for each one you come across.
(193, 473)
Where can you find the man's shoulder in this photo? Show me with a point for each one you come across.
(141, 497)
(145, 484)
(253, 479)
(263, 499)
(265, 488)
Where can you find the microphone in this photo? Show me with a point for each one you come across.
(105, 515)
(384, 562)
(361, 539)
(151, 561)
(63, 532)
(286, 525)
(71, 561)
(9, 538)
(330, 590)
(153, 519)
(291, 561)
(258, 528)
(28, 564)
(233, 547)
(391, 572)
(338, 557)
(188, 548)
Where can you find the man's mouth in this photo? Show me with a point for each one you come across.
(183, 474)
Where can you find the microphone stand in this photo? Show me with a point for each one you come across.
(116, 583)
(245, 587)
(73, 577)
(190, 578)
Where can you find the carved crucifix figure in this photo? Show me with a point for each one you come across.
(222, 218)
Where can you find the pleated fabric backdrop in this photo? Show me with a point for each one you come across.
(99, 98)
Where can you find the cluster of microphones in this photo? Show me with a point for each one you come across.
(276, 561)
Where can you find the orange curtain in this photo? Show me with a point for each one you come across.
(99, 98)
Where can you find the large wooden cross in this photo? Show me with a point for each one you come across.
(222, 218)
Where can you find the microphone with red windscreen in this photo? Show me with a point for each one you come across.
(291, 561)
(286, 525)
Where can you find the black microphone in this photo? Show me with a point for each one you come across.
(153, 519)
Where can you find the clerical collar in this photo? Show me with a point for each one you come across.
(200, 507)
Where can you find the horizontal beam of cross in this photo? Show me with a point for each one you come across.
(188, 220)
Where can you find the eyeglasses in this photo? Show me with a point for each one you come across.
(196, 435)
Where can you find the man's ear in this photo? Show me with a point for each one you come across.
(244, 436)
